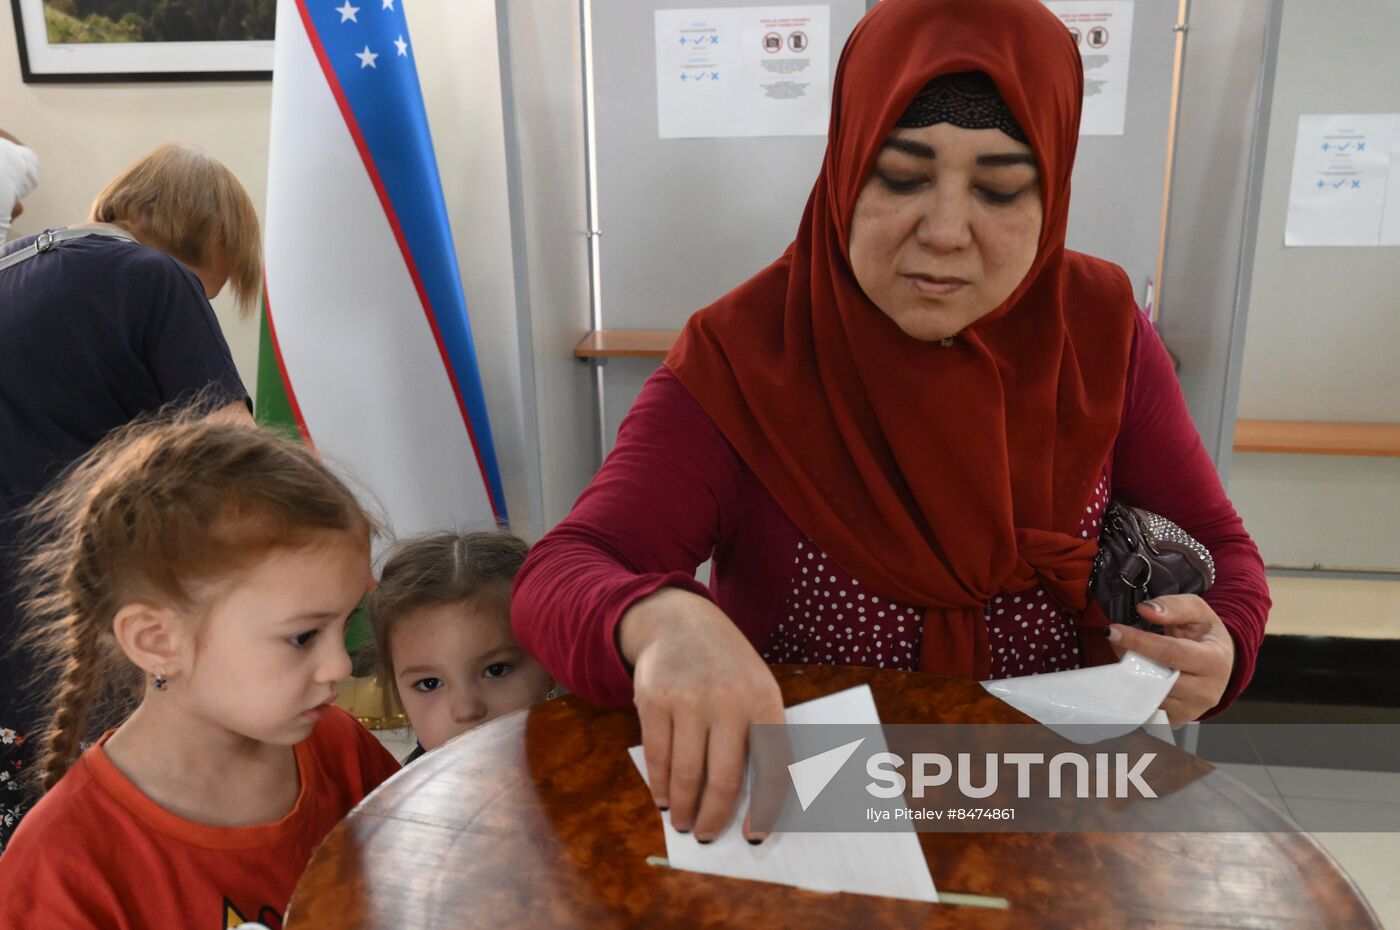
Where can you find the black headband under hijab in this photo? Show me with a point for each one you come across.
(968, 99)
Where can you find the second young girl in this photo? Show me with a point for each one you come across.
(442, 630)
(217, 564)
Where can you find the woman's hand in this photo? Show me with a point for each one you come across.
(698, 686)
(1195, 642)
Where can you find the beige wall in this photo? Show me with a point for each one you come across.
(85, 133)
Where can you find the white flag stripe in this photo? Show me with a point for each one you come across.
(362, 362)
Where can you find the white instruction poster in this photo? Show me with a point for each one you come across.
(1103, 30)
(1341, 165)
(743, 71)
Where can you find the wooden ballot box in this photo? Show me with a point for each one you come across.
(540, 819)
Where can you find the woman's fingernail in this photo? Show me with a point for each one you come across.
(704, 842)
(662, 807)
(754, 842)
(1114, 635)
(1156, 606)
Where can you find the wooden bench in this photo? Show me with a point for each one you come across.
(1306, 437)
(626, 343)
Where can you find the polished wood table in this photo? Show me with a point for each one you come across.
(539, 819)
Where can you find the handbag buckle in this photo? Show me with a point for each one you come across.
(1129, 582)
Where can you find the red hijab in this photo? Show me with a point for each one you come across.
(937, 476)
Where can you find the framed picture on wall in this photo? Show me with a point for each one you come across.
(81, 41)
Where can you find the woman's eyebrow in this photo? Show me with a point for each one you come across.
(1007, 158)
(909, 147)
(1000, 160)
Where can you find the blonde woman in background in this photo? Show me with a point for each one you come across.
(99, 323)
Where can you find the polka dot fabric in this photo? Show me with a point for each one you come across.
(830, 619)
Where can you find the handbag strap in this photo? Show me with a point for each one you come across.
(52, 238)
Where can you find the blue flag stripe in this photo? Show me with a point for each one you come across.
(369, 66)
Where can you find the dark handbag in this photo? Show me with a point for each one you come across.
(1143, 555)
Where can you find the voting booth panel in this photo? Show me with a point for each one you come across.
(1323, 332)
(653, 217)
(683, 220)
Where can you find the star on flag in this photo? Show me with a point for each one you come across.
(367, 58)
(347, 12)
(402, 46)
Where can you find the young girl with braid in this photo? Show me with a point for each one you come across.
(217, 564)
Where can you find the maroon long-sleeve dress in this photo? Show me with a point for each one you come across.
(674, 493)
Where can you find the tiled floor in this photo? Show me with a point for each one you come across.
(1335, 797)
(1332, 798)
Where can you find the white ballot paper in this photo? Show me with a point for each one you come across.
(1103, 30)
(1113, 699)
(888, 864)
(743, 71)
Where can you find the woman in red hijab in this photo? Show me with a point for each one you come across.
(895, 442)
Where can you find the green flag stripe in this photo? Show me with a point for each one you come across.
(274, 410)
(272, 407)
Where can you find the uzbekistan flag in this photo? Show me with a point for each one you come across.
(366, 345)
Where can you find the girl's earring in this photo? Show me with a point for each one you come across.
(158, 680)
(553, 692)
